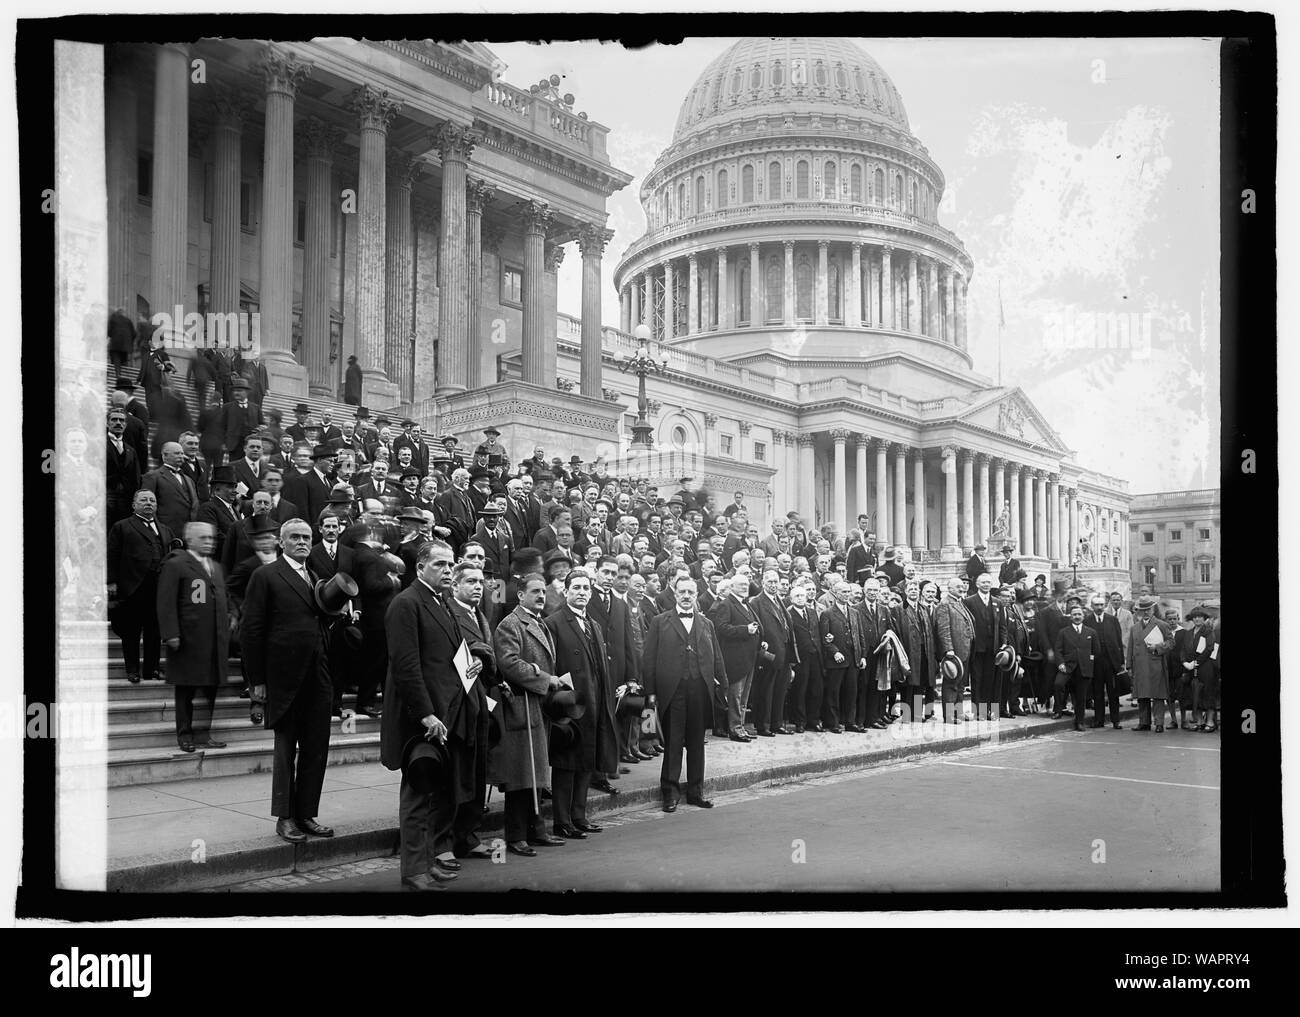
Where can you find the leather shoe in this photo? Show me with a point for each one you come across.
(520, 847)
(134, 679)
(186, 745)
(477, 851)
(372, 712)
(447, 864)
(441, 875)
(879, 725)
(721, 732)
(782, 731)
(699, 803)
(798, 729)
(1057, 715)
(288, 830)
(623, 769)
(569, 833)
(818, 727)
(766, 733)
(670, 806)
(546, 840)
(211, 743)
(421, 883)
(314, 828)
(837, 729)
(738, 738)
(625, 758)
(1118, 727)
(588, 827)
(606, 786)
(1080, 727)
(643, 755)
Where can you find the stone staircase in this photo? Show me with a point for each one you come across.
(141, 719)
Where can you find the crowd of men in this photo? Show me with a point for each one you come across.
(540, 626)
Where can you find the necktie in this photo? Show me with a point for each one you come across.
(682, 614)
(329, 548)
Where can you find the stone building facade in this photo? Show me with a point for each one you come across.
(1176, 544)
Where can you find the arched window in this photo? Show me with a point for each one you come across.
(819, 74)
(774, 288)
(841, 78)
(829, 181)
(747, 184)
(912, 204)
(737, 81)
(774, 181)
(878, 187)
(898, 191)
(721, 195)
(801, 179)
(681, 199)
(742, 294)
(756, 78)
(699, 195)
(857, 80)
(803, 287)
(833, 292)
(855, 182)
(778, 75)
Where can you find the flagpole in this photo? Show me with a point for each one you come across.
(1001, 322)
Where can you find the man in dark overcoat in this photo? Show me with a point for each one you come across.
(195, 627)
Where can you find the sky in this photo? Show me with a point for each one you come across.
(1082, 176)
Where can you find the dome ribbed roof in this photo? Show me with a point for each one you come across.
(789, 75)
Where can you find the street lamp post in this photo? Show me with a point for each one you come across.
(641, 363)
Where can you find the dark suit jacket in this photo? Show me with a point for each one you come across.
(844, 639)
(544, 540)
(861, 564)
(137, 436)
(517, 521)
(308, 492)
(283, 638)
(319, 562)
(422, 639)
(620, 645)
(215, 512)
(873, 628)
(1110, 638)
(122, 476)
(805, 634)
(776, 632)
(975, 567)
(498, 548)
(730, 620)
(597, 748)
(197, 471)
(1076, 652)
(244, 474)
(178, 503)
(134, 553)
(284, 510)
(236, 424)
(664, 658)
(238, 545)
(988, 624)
(1047, 625)
(1010, 572)
(455, 511)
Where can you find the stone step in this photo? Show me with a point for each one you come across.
(230, 727)
(157, 703)
(160, 765)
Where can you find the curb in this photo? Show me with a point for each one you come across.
(240, 861)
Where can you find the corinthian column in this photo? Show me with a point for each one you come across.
(455, 144)
(169, 211)
(724, 301)
(282, 72)
(807, 480)
(477, 194)
(401, 173)
(886, 288)
(121, 104)
(840, 436)
(949, 324)
(853, 314)
(670, 305)
(591, 242)
(951, 549)
(913, 298)
(319, 140)
(921, 542)
(1040, 514)
(900, 496)
(967, 502)
(820, 296)
(692, 295)
(882, 491)
(983, 526)
(1027, 511)
(536, 216)
(374, 111)
(787, 316)
(756, 311)
(861, 505)
(1054, 516)
(1013, 496)
(229, 110)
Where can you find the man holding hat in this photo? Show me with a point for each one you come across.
(954, 630)
(1149, 641)
(195, 627)
(285, 661)
(1109, 662)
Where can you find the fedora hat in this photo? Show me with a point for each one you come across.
(411, 513)
(953, 669)
(323, 452)
(562, 704)
(333, 593)
(492, 430)
(1006, 658)
(339, 496)
(890, 553)
(1145, 603)
(223, 475)
(257, 525)
(424, 762)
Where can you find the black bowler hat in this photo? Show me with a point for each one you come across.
(363, 413)
(302, 408)
(224, 475)
(125, 385)
(333, 593)
(479, 473)
(324, 452)
(258, 525)
(424, 764)
(411, 471)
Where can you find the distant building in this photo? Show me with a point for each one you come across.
(1174, 541)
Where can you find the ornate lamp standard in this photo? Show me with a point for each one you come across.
(641, 363)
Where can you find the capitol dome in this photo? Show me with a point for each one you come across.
(786, 76)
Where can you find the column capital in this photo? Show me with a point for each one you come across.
(839, 435)
(788, 245)
(807, 440)
(746, 427)
(693, 259)
(1040, 475)
(318, 139)
(1072, 492)
(230, 106)
(900, 450)
(917, 454)
(823, 244)
(282, 70)
(536, 216)
(373, 108)
(886, 249)
(791, 438)
(592, 239)
(753, 246)
(1054, 478)
(553, 256)
(966, 456)
(856, 245)
(402, 168)
(720, 253)
(982, 459)
(477, 194)
(454, 142)
(1012, 468)
(997, 463)
(710, 420)
(862, 440)
(198, 140)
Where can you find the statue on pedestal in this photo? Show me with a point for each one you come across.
(1002, 526)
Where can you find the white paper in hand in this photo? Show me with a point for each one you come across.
(491, 703)
(1154, 638)
(462, 660)
(1200, 645)
(566, 680)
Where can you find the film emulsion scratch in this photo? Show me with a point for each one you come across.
(520, 477)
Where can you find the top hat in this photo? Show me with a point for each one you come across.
(223, 475)
(479, 473)
(562, 704)
(424, 763)
(333, 593)
(302, 408)
(363, 413)
(1059, 587)
(491, 431)
(496, 459)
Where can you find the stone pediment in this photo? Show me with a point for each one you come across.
(1009, 412)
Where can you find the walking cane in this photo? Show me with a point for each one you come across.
(532, 762)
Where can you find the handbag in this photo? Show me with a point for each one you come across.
(1123, 683)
